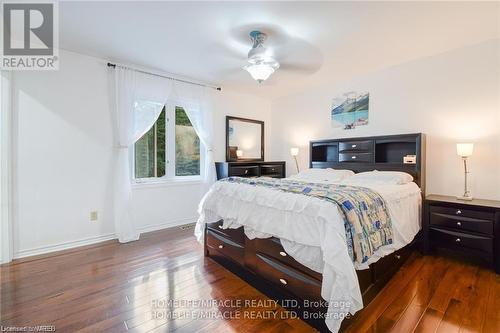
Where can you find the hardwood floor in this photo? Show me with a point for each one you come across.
(110, 287)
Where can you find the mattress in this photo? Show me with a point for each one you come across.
(312, 231)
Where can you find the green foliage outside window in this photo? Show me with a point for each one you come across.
(187, 146)
(146, 165)
(151, 149)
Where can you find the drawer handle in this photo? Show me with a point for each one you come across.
(221, 246)
(353, 157)
(283, 282)
(458, 240)
(397, 256)
(458, 212)
(246, 171)
(354, 146)
(283, 254)
(459, 224)
(272, 169)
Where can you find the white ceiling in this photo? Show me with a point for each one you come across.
(326, 41)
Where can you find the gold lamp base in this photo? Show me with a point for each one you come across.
(466, 196)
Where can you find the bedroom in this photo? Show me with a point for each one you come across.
(100, 200)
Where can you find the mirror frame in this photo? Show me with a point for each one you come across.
(259, 122)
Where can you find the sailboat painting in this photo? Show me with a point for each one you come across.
(350, 110)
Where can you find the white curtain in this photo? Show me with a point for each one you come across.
(6, 241)
(138, 101)
(198, 102)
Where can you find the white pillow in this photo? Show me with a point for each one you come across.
(381, 177)
(323, 175)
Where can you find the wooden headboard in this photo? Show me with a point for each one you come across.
(384, 153)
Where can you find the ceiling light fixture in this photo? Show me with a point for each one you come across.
(261, 64)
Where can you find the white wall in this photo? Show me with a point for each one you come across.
(451, 97)
(6, 246)
(63, 158)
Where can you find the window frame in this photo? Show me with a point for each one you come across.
(169, 177)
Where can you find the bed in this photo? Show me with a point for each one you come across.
(292, 245)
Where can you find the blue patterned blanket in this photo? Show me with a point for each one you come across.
(366, 220)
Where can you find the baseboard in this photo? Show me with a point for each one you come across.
(169, 224)
(63, 246)
(97, 239)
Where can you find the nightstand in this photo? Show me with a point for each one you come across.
(463, 228)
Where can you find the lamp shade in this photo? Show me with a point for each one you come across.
(294, 151)
(239, 153)
(465, 149)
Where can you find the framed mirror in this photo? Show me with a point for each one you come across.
(244, 139)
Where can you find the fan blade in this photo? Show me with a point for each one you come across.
(230, 53)
(304, 68)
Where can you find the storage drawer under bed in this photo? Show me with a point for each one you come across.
(271, 247)
(236, 235)
(219, 245)
(286, 277)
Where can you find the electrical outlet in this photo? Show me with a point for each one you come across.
(93, 216)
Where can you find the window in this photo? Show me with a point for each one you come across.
(150, 151)
(170, 149)
(187, 146)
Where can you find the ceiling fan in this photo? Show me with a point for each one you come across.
(260, 63)
(272, 50)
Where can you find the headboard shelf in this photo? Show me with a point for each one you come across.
(384, 153)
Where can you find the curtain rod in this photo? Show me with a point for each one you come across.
(166, 77)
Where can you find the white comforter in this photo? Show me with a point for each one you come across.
(311, 231)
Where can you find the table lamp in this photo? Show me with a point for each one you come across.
(465, 150)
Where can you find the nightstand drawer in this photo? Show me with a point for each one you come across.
(459, 212)
(452, 239)
(461, 223)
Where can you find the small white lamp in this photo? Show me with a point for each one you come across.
(465, 150)
(294, 152)
(239, 153)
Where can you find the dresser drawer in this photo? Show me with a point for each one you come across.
(271, 247)
(291, 280)
(226, 247)
(356, 157)
(475, 214)
(453, 239)
(461, 223)
(271, 170)
(236, 235)
(244, 171)
(355, 146)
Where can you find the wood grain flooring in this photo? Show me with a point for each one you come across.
(111, 287)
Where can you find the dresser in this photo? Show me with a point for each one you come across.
(250, 169)
(468, 229)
